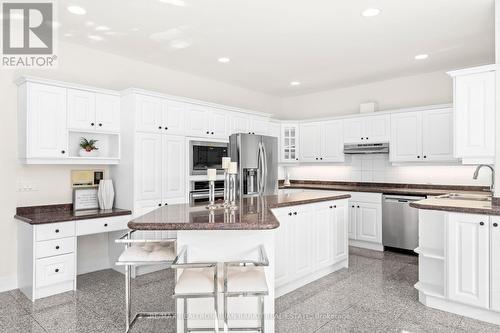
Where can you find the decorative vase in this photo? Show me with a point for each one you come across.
(106, 194)
(83, 153)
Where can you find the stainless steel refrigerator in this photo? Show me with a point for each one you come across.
(257, 157)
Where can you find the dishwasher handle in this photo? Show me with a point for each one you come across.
(402, 199)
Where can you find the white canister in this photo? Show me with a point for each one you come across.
(106, 194)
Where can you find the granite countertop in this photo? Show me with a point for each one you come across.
(457, 205)
(387, 188)
(252, 213)
(63, 212)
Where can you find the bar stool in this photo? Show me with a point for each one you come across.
(197, 280)
(139, 252)
(246, 279)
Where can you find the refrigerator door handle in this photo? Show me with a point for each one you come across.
(261, 168)
(264, 169)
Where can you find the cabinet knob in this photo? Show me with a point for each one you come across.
(481, 223)
(57, 270)
(331, 207)
(297, 159)
(57, 231)
(294, 213)
(418, 156)
(352, 206)
(63, 152)
(425, 156)
(159, 127)
(290, 214)
(362, 138)
(159, 205)
(495, 224)
(253, 132)
(366, 138)
(208, 132)
(57, 247)
(166, 128)
(212, 133)
(316, 158)
(92, 124)
(105, 224)
(249, 132)
(100, 124)
(321, 158)
(334, 206)
(358, 206)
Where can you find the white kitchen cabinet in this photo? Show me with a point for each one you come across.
(340, 246)
(495, 263)
(352, 221)
(218, 124)
(366, 129)
(81, 109)
(289, 147)
(240, 123)
(107, 112)
(173, 167)
(148, 114)
(148, 163)
(324, 234)
(368, 222)
(303, 240)
(421, 136)
(203, 121)
(283, 249)
(173, 119)
(42, 122)
(274, 129)
(474, 112)
(260, 125)
(468, 259)
(321, 142)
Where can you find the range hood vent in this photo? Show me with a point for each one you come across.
(366, 148)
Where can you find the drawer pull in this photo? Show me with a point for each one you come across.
(57, 231)
(290, 214)
(481, 223)
(294, 213)
(57, 270)
(495, 224)
(105, 224)
(57, 247)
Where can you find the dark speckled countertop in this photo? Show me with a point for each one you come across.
(458, 206)
(252, 214)
(63, 212)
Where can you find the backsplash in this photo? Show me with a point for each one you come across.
(377, 168)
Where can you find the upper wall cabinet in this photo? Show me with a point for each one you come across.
(91, 111)
(246, 123)
(289, 145)
(321, 142)
(158, 115)
(474, 104)
(204, 121)
(54, 116)
(367, 129)
(422, 136)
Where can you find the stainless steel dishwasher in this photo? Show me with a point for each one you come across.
(400, 221)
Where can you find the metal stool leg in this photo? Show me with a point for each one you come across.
(127, 298)
(185, 319)
(261, 312)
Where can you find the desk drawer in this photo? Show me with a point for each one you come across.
(55, 270)
(55, 247)
(54, 230)
(96, 226)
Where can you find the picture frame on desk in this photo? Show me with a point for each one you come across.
(85, 198)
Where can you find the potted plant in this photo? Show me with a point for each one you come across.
(88, 148)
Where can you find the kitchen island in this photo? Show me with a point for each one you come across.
(303, 234)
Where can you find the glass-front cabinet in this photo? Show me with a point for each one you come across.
(289, 143)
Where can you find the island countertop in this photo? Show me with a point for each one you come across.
(253, 213)
(457, 206)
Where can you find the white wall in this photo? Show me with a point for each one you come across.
(86, 66)
(403, 92)
(377, 168)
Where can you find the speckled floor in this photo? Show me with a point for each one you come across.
(375, 294)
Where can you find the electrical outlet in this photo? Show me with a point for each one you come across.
(26, 187)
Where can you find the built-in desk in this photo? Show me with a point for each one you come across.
(47, 244)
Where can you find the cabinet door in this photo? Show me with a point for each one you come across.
(174, 117)
(406, 137)
(468, 259)
(474, 102)
(289, 143)
(46, 120)
(302, 241)
(354, 130)
(369, 222)
(283, 250)
(332, 145)
(81, 110)
(437, 135)
(260, 125)
(174, 170)
(107, 111)
(351, 230)
(340, 232)
(218, 124)
(143, 207)
(148, 167)
(148, 116)
(197, 121)
(274, 130)
(324, 238)
(240, 123)
(377, 128)
(495, 263)
(310, 142)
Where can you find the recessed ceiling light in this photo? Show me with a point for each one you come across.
(421, 56)
(295, 83)
(178, 3)
(223, 60)
(110, 33)
(89, 23)
(102, 28)
(134, 29)
(95, 38)
(77, 10)
(180, 44)
(68, 35)
(370, 12)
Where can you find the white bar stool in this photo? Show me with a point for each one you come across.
(138, 252)
(197, 280)
(246, 279)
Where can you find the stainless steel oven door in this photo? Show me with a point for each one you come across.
(196, 167)
(202, 196)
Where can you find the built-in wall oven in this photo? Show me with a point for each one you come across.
(205, 155)
(199, 191)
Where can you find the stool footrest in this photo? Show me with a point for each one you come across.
(150, 315)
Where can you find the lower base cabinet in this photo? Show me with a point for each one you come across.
(365, 218)
(311, 239)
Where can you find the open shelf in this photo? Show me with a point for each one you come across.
(108, 144)
(430, 253)
(430, 289)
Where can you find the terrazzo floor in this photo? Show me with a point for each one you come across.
(375, 294)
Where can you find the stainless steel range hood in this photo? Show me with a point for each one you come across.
(366, 148)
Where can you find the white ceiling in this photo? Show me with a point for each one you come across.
(321, 43)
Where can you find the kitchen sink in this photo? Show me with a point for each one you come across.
(464, 196)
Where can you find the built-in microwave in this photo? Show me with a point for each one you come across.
(205, 155)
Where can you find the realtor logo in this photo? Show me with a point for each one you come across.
(27, 34)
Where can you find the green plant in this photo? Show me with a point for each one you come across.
(88, 145)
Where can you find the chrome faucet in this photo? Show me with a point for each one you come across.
(476, 173)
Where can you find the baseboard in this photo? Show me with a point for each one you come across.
(366, 245)
(8, 282)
